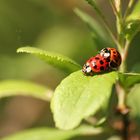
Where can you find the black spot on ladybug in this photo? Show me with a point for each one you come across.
(101, 62)
(86, 66)
(119, 55)
(95, 67)
(107, 65)
(114, 52)
(90, 60)
(113, 64)
(108, 60)
(97, 58)
(101, 68)
(114, 55)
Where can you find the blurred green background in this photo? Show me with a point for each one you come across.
(51, 25)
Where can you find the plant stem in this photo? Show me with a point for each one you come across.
(116, 6)
(121, 92)
(130, 4)
(120, 23)
(127, 43)
(126, 123)
(123, 110)
(93, 4)
(121, 107)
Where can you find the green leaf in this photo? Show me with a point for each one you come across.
(115, 138)
(98, 33)
(79, 96)
(129, 79)
(133, 101)
(101, 121)
(52, 133)
(92, 24)
(135, 14)
(25, 88)
(94, 6)
(59, 61)
(132, 26)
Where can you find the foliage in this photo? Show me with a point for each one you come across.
(78, 97)
(129, 79)
(73, 95)
(24, 88)
(53, 133)
(57, 60)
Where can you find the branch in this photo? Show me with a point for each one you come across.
(106, 24)
(128, 9)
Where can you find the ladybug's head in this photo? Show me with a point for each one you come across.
(105, 52)
(86, 69)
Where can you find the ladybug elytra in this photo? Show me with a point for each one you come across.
(95, 64)
(107, 59)
(112, 55)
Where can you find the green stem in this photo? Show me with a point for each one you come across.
(121, 107)
(101, 15)
(123, 110)
(121, 40)
(124, 54)
(128, 9)
(117, 11)
(121, 92)
(120, 25)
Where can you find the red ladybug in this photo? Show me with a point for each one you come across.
(95, 64)
(112, 56)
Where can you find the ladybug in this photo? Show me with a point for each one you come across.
(95, 64)
(112, 56)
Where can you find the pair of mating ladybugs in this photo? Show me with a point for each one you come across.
(107, 59)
